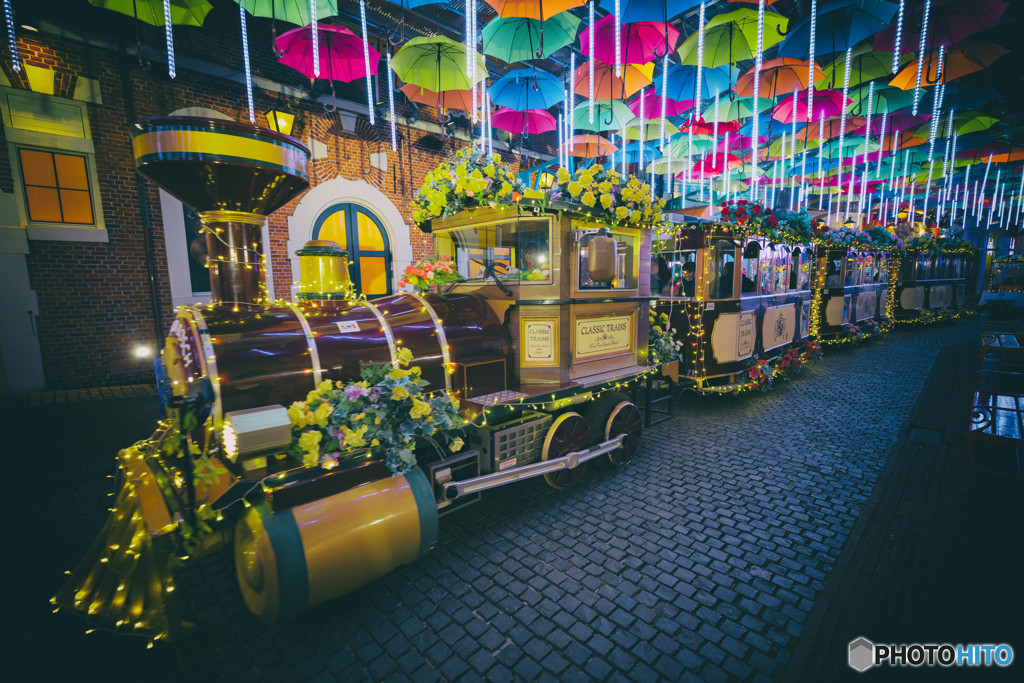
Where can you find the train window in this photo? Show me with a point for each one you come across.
(805, 269)
(751, 256)
(834, 270)
(721, 266)
(907, 270)
(780, 269)
(883, 268)
(924, 267)
(851, 268)
(626, 266)
(682, 267)
(517, 250)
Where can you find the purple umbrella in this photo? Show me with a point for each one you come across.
(341, 53)
(530, 121)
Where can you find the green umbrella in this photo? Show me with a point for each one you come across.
(436, 63)
(746, 171)
(732, 37)
(851, 147)
(292, 11)
(740, 108)
(964, 123)
(608, 115)
(775, 148)
(651, 129)
(663, 165)
(183, 12)
(886, 99)
(865, 65)
(515, 39)
(701, 143)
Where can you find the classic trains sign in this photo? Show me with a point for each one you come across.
(603, 336)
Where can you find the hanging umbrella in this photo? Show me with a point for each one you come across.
(732, 37)
(775, 148)
(515, 39)
(740, 143)
(522, 89)
(647, 10)
(949, 22)
(663, 165)
(957, 96)
(700, 144)
(437, 63)
(533, 9)
(608, 115)
(779, 77)
(682, 82)
(701, 126)
(852, 147)
(961, 60)
(746, 172)
(672, 107)
(531, 121)
(839, 24)
(449, 99)
(650, 130)
(886, 99)
(632, 152)
(640, 42)
(964, 123)
(899, 120)
(341, 53)
(608, 86)
(827, 103)
(183, 12)
(292, 11)
(740, 108)
(589, 146)
(716, 164)
(832, 125)
(865, 65)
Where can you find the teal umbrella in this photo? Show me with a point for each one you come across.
(740, 108)
(608, 115)
(515, 39)
(851, 147)
(701, 143)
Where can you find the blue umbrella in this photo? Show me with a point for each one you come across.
(840, 24)
(682, 80)
(632, 150)
(522, 89)
(647, 10)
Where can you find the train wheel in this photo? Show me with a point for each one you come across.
(625, 419)
(570, 432)
(599, 415)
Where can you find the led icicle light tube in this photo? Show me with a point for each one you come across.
(245, 62)
(664, 100)
(316, 40)
(478, 95)
(618, 41)
(810, 62)
(842, 118)
(168, 37)
(391, 105)
(867, 139)
(590, 66)
(920, 55)
(881, 146)
(12, 38)
(899, 36)
(758, 57)
(949, 139)
(366, 58)
(700, 61)
(984, 182)
(640, 142)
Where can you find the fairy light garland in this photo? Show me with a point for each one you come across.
(366, 59)
(700, 61)
(245, 62)
(920, 55)
(758, 57)
(168, 38)
(590, 65)
(391, 105)
(12, 38)
(899, 37)
(618, 42)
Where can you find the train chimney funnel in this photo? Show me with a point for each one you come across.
(234, 175)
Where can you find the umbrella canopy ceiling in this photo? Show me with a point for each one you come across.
(183, 12)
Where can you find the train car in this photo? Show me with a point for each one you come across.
(731, 295)
(537, 346)
(1004, 289)
(931, 279)
(854, 289)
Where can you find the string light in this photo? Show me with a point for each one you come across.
(245, 62)
(700, 61)
(810, 62)
(168, 38)
(391, 105)
(867, 139)
(920, 55)
(15, 62)
(758, 57)
(881, 145)
(316, 38)
(618, 44)
(478, 95)
(469, 51)
(664, 100)
(899, 36)
(366, 56)
(842, 118)
(590, 65)
(641, 141)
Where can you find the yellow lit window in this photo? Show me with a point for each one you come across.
(56, 187)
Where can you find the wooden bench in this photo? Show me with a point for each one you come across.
(995, 435)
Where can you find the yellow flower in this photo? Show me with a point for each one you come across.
(325, 386)
(606, 201)
(647, 199)
(295, 414)
(627, 195)
(404, 356)
(605, 187)
(575, 188)
(310, 442)
(419, 409)
(476, 174)
(563, 175)
(634, 217)
(496, 158)
(489, 170)
(399, 393)
(398, 374)
(621, 212)
(359, 417)
(588, 198)
(354, 439)
(456, 445)
(460, 170)
(376, 420)
(374, 443)
(322, 414)
(312, 396)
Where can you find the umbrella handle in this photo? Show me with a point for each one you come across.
(778, 29)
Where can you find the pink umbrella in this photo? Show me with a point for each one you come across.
(702, 127)
(530, 121)
(341, 53)
(715, 165)
(652, 106)
(641, 41)
(827, 102)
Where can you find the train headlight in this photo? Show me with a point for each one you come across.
(255, 432)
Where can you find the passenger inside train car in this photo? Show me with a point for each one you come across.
(684, 287)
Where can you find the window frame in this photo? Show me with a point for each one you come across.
(352, 247)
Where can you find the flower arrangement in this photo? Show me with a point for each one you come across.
(425, 273)
(604, 194)
(665, 348)
(940, 245)
(384, 412)
(882, 238)
(761, 374)
(1012, 259)
(471, 178)
(742, 212)
(793, 228)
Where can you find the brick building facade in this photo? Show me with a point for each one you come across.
(87, 290)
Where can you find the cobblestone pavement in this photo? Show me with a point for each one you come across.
(700, 561)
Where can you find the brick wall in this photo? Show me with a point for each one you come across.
(94, 297)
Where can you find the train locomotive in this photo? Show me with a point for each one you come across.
(541, 356)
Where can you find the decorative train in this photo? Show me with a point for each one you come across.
(324, 438)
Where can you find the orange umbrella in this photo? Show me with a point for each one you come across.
(608, 86)
(832, 126)
(590, 146)
(450, 99)
(966, 58)
(533, 9)
(778, 77)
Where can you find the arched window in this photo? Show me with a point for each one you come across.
(362, 235)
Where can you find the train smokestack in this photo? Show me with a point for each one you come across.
(234, 175)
